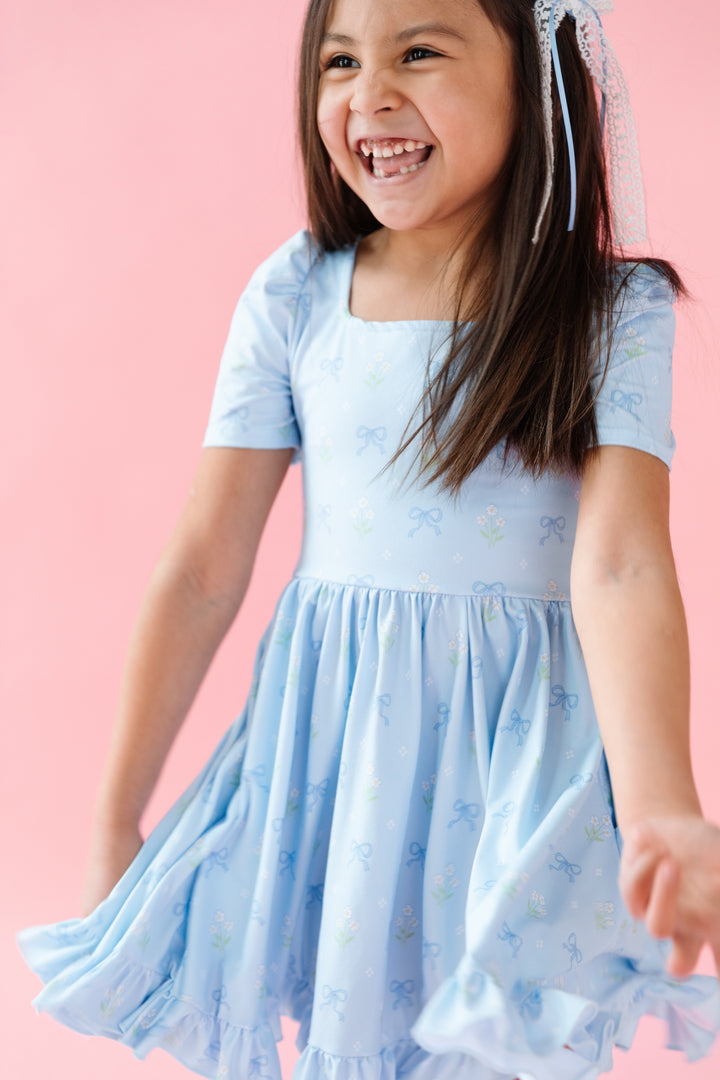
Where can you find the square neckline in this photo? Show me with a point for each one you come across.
(350, 261)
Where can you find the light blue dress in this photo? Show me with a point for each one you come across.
(406, 840)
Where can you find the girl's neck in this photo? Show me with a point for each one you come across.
(400, 276)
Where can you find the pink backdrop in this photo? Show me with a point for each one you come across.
(132, 217)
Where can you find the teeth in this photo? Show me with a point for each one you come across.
(405, 169)
(387, 150)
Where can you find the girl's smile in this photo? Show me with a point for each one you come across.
(415, 108)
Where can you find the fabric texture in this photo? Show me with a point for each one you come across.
(406, 839)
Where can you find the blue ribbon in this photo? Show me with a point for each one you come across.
(566, 111)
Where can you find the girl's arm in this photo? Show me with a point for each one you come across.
(192, 598)
(630, 619)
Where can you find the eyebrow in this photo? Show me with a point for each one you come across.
(404, 35)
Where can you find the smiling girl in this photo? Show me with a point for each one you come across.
(454, 831)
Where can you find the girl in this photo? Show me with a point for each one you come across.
(409, 840)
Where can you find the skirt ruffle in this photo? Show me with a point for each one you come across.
(406, 843)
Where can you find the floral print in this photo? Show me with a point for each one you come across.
(406, 838)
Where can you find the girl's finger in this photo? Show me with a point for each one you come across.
(661, 914)
(636, 879)
(684, 955)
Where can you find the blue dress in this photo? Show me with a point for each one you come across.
(406, 840)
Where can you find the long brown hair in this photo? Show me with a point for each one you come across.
(524, 340)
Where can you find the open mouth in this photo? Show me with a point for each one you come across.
(387, 160)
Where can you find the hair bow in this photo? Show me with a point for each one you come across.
(625, 176)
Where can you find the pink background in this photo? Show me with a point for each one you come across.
(148, 166)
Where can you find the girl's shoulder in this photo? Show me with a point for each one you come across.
(288, 266)
(640, 287)
(295, 272)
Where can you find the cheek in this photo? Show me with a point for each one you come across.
(330, 119)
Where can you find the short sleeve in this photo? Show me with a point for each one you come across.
(252, 404)
(633, 406)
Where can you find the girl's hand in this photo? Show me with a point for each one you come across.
(111, 852)
(670, 878)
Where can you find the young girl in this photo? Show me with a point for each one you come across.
(408, 840)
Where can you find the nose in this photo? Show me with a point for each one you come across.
(374, 89)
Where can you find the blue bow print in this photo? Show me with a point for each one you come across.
(362, 853)
(256, 1064)
(572, 947)
(579, 780)
(571, 869)
(518, 725)
(373, 437)
(514, 940)
(495, 590)
(366, 579)
(332, 997)
(418, 854)
(324, 513)
(506, 811)
(621, 400)
(403, 990)
(217, 858)
(314, 791)
(259, 773)
(287, 861)
(315, 894)
(333, 367)
(425, 517)
(532, 1005)
(383, 701)
(566, 701)
(554, 526)
(466, 812)
(444, 714)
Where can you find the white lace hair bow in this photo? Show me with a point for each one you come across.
(625, 177)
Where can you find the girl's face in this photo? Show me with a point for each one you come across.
(398, 72)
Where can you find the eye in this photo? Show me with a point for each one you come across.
(336, 62)
(422, 49)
